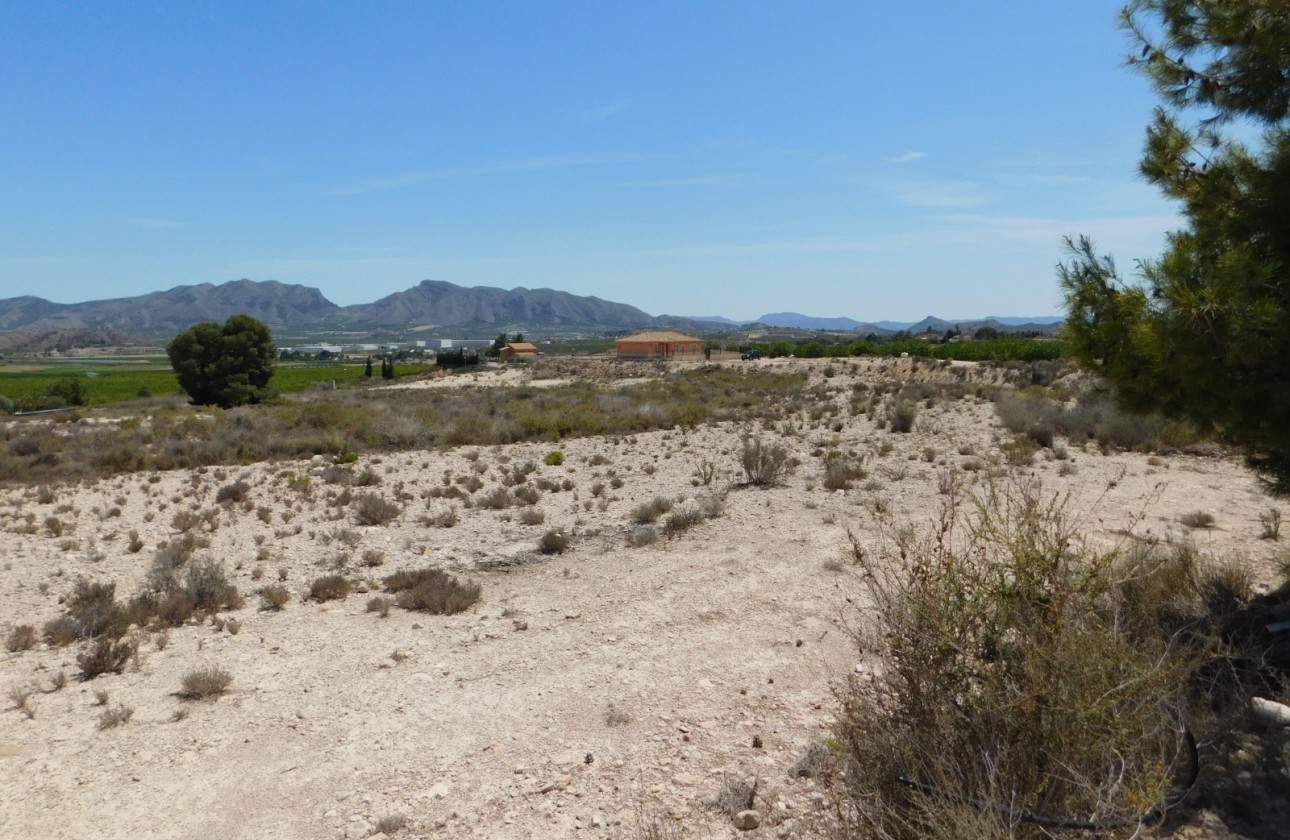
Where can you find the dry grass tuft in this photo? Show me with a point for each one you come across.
(432, 590)
(1197, 519)
(205, 683)
(329, 588)
(648, 512)
(554, 541)
(371, 509)
(21, 637)
(115, 717)
(274, 597)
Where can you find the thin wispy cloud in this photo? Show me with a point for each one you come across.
(394, 182)
(947, 195)
(1041, 180)
(1048, 230)
(907, 157)
(605, 111)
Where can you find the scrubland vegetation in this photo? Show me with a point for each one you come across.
(1012, 673)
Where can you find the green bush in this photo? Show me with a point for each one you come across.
(554, 458)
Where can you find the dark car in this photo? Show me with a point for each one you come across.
(751, 354)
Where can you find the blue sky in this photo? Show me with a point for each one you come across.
(875, 160)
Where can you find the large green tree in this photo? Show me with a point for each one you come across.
(1203, 332)
(224, 365)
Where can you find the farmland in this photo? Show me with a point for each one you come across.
(115, 382)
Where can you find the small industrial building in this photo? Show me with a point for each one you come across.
(518, 350)
(659, 345)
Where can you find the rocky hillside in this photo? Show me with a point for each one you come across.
(37, 340)
(172, 310)
(434, 302)
(430, 303)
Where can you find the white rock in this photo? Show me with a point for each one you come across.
(1270, 712)
(747, 820)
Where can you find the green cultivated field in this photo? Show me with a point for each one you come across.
(107, 384)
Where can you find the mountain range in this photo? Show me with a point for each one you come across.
(429, 304)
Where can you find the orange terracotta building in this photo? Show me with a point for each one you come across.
(659, 345)
(519, 350)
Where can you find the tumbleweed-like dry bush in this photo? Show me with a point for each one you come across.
(1019, 683)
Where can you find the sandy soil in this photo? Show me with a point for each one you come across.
(587, 694)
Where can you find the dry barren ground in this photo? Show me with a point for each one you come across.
(599, 692)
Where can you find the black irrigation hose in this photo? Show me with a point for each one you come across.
(1152, 817)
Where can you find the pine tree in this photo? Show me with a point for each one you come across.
(226, 365)
(1205, 334)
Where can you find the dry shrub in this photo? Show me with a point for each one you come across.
(554, 541)
(176, 553)
(94, 608)
(445, 518)
(764, 466)
(495, 499)
(641, 535)
(60, 631)
(692, 512)
(371, 509)
(104, 656)
(1197, 519)
(205, 683)
(527, 494)
(901, 415)
(20, 697)
(432, 590)
(329, 588)
(649, 512)
(174, 608)
(115, 716)
(379, 605)
(21, 637)
(274, 597)
(532, 516)
(208, 587)
(1020, 452)
(840, 471)
(233, 493)
(1015, 673)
